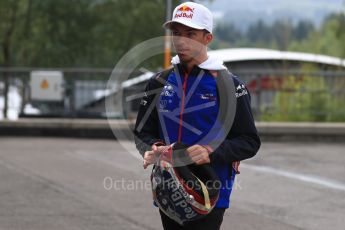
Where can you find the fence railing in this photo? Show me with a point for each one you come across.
(296, 95)
(276, 95)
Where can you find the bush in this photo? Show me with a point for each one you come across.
(307, 98)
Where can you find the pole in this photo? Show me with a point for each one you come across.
(167, 41)
(6, 90)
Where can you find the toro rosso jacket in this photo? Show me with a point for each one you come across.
(185, 107)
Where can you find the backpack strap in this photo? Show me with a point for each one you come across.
(162, 77)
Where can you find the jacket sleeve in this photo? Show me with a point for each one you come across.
(242, 142)
(146, 130)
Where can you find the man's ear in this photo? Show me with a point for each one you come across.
(209, 37)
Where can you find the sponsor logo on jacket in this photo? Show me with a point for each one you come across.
(241, 91)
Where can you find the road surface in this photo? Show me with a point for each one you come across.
(58, 183)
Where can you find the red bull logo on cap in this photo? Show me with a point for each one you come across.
(184, 12)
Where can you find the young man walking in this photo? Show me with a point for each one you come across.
(187, 109)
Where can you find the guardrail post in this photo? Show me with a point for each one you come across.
(6, 89)
(258, 94)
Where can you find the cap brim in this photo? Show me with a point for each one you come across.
(168, 24)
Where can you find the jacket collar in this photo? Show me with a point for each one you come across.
(211, 63)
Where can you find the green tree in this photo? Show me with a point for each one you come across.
(328, 40)
(76, 33)
(283, 33)
(228, 32)
(302, 30)
(259, 32)
(12, 13)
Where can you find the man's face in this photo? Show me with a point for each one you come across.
(189, 43)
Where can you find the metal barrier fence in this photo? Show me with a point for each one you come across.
(276, 95)
(296, 95)
(79, 88)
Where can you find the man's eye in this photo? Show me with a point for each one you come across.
(191, 34)
(175, 33)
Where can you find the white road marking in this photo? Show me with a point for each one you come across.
(324, 182)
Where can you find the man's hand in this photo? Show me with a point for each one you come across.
(199, 154)
(151, 157)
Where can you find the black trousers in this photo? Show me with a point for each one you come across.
(212, 221)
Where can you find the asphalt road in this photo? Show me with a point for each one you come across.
(57, 183)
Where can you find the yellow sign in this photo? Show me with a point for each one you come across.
(44, 84)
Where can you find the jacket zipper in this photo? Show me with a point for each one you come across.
(182, 106)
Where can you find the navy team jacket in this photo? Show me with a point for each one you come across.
(184, 107)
